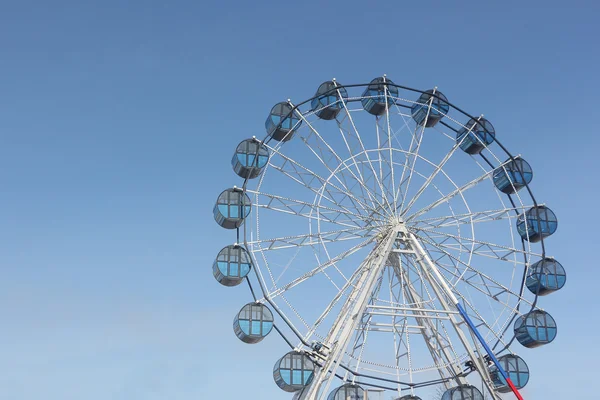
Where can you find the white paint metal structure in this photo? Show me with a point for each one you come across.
(384, 238)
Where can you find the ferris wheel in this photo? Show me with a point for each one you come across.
(392, 242)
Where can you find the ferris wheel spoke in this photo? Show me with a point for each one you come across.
(436, 188)
(411, 154)
(415, 144)
(320, 268)
(346, 136)
(310, 239)
(310, 211)
(390, 162)
(459, 276)
(493, 254)
(456, 192)
(469, 279)
(387, 146)
(356, 133)
(498, 333)
(371, 180)
(475, 315)
(305, 177)
(320, 154)
(405, 126)
(411, 159)
(439, 167)
(479, 247)
(476, 287)
(510, 213)
(353, 144)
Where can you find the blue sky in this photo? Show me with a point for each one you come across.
(117, 125)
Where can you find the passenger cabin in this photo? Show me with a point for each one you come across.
(347, 391)
(430, 108)
(250, 158)
(253, 323)
(294, 371)
(282, 121)
(379, 95)
(232, 265)
(512, 176)
(231, 208)
(475, 136)
(537, 223)
(546, 276)
(517, 371)
(535, 329)
(462, 392)
(329, 100)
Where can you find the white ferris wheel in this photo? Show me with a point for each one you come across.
(393, 242)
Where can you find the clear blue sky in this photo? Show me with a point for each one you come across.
(117, 123)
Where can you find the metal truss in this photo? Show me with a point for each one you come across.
(372, 232)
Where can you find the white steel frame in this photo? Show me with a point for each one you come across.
(361, 195)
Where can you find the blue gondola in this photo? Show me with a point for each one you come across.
(430, 108)
(537, 223)
(250, 158)
(546, 276)
(535, 329)
(348, 391)
(513, 175)
(462, 392)
(379, 95)
(231, 208)
(232, 265)
(253, 323)
(475, 136)
(329, 100)
(282, 122)
(294, 371)
(517, 370)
